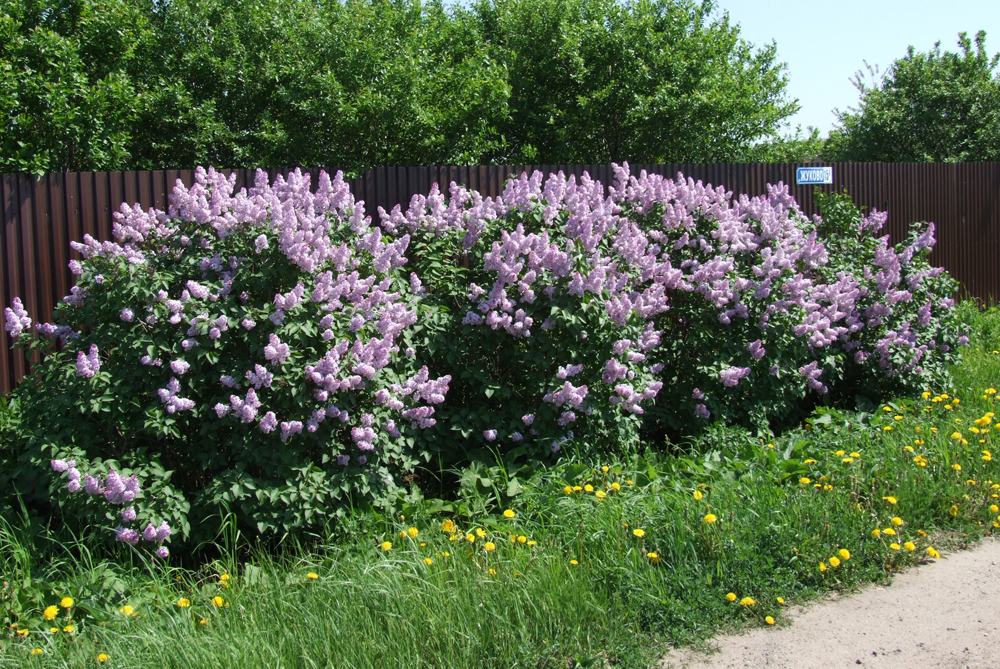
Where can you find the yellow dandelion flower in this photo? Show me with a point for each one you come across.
(532, 542)
(574, 562)
(781, 600)
(37, 651)
(654, 557)
(876, 533)
(894, 547)
(889, 532)
(493, 572)
(23, 633)
(769, 620)
(50, 612)
(577, 488)
(805, 480)
(54, 630)
(481, 533)
(897, 521)
(887, 409)
(448, 526)
(834, 562)
(925, 394)
(891, 500)
(639, 533)
(508, 513)
(710, 518)
(184, 602)
(810, 461)
(103, 657)
(847, 460)
(203, 621)
(698, 495)
(908, 545)
(956, 435)
(840, 454)
(731, 597)
(822, 566)
(489, 546)
(628, 482)
(522, 539)
(898, 417)
(218, 602)
(428, 561)
(616, 486)
(957, 467)
(605, 469)
(953, 510)
(933, 553)
(600, 494)
(413, 532)
(69, 629)
(921, 533)
(568, 490)
(66, 602)
(386, 545)
(588, 488)
(887, 428)
(844, 554)
(747, 601)
(126, 610)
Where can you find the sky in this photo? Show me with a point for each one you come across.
(825, 42)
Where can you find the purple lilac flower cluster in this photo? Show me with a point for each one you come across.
(117, 490)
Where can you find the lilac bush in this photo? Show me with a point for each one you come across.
(274, 353)
(241, 352)
(663, 305)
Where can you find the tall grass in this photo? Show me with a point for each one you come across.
(591, 591)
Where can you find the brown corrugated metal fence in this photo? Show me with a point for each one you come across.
(39, 217)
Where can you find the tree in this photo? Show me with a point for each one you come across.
(594, 81)
(929, 107)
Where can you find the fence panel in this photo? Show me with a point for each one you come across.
(39, 217)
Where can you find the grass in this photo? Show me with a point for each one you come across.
(581, 588)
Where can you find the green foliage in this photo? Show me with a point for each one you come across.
(797, 148)
(929, 107)
(598, 81)
(127, 85)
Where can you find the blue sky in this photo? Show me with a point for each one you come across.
(824, 42)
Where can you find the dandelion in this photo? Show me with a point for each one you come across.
(470, 537)
(23, 633)
(224, 580)
(509, 514)
(386, 545)
(822, 566)
(889, 532)
(428, 561)
(103, 657)
(781, 600)
(574, 562)
(492, 571)
(698, 495)
(588, 488)
(709, 518)
(54, 630)
(50, 612)
(413, 532)
(876, 533)
(769, 620)
(184, 603)
(844, 554)
(894, 547)
(616, 486)
(605, 469)
(568, 490)
(127, 610)
(69, 629)
(532, 542)
(953, 510)
(522, 539)
(218, 602)
(731, 597)
(577, 488)
(481, 533)
(628, 482)
(747, 601)
(639, 533)
(203, 621)
(921, 533)
(66, 602)
(312, 576)
(489, 546)
(956, 435)
(805, 480)
(933, 553)
(834, 562)
(957, 467)
(653, 557)
(855, 455)
(897, 521)
(847, 461)
(600, 494)
(909, 546)
(37, 651)
(891, 500)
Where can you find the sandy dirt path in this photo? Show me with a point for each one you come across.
(941, 614)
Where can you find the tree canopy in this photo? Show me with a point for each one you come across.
(928, 107)
(147, 84)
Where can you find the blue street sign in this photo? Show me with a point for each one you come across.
(813, 175)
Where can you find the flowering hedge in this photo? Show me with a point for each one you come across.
(273, 353)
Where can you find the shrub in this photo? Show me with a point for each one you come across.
(267, 353)
(236, 352)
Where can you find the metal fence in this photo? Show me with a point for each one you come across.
(40, 216)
